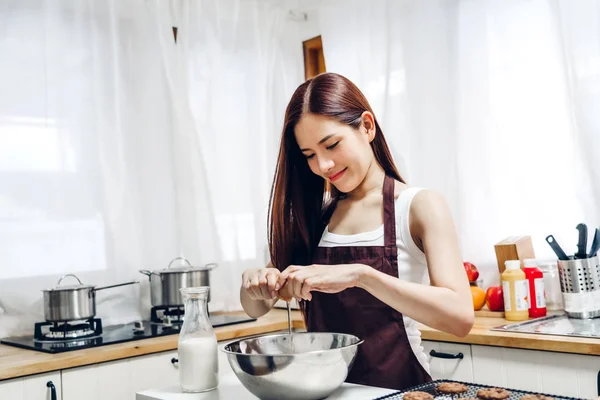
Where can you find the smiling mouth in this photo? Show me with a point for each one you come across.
(337, 176)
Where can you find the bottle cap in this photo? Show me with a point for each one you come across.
(512, 264)
(530, 262)
(548, 265)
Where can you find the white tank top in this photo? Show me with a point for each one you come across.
(412, 265)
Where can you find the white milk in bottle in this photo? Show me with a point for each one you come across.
(198, 364)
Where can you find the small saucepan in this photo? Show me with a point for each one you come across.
(165, 284)
(72, 302)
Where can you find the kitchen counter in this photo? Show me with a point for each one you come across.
(482, 335)
(15, 362)
(230, 387)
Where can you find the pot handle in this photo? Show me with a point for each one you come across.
(147, 272)
(211, 265)
(117, 285)
(64, 276)
(179, 258)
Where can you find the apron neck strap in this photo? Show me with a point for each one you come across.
(389, 212)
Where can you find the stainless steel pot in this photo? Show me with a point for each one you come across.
(72, 302)
(165, 284)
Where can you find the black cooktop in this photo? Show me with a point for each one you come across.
(114, 334)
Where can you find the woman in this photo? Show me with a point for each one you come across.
(353, 243)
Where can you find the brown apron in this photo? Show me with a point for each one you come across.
(385, 359)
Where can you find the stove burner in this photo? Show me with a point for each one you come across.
(105, 335)
(65, 331)
(167, 314)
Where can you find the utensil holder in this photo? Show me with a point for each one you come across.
(580, 287)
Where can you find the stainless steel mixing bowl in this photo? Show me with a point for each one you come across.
(300, 366)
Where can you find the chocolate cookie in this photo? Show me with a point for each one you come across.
(493, 394)
(451, 387)
(536, 397)
(417, 396)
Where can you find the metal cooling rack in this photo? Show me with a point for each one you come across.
(430, 388)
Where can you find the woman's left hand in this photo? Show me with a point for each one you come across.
(301, 280)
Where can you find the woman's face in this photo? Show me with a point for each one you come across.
(336, 152)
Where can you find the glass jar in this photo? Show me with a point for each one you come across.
(554, 297)
(197, 347)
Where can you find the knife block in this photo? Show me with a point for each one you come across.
(513, 248)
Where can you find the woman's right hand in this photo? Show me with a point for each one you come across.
(261, 283)
(285, 293)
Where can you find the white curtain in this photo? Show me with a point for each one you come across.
(87, 161)
(120, 151)
(235, 65)
(493, 103)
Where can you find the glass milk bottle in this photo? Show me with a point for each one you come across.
(198, 357)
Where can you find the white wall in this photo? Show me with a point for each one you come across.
(302, 24)
(309, 28)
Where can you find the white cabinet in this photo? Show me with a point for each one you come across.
(533, 370)
(33, 387)
(540, 371)
(459, 369)
(120, 380)
(513, 368)
(97, 382)
(154, 371)
(582, 371)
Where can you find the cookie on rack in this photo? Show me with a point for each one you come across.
(536, 397)
(417, 396)
(493, 394)
(451, 388)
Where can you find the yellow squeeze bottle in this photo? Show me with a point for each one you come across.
(516, 292)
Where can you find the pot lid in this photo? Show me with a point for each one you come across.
(59, 287)
(185, 268)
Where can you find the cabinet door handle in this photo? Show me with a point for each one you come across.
(50, 385)
(174, 360)
(438, 354)
(598, 383)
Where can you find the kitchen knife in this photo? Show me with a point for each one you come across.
(595, 244)
(582, 242)
(557, 249)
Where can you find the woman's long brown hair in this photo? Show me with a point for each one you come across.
(299, 198)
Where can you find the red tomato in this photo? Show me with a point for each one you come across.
(494, 299)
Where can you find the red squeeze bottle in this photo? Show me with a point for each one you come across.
(535, 281)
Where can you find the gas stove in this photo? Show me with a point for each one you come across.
(63, 331)
(167, 314)
(75, 335)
